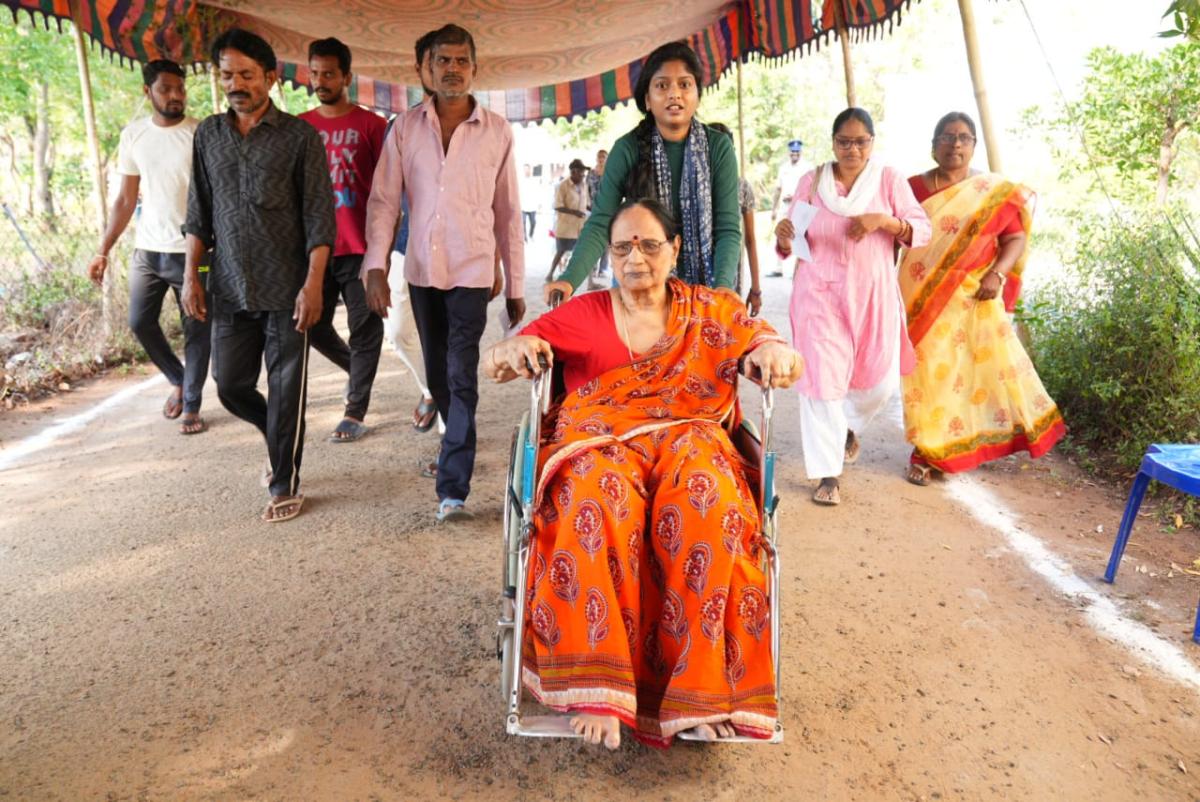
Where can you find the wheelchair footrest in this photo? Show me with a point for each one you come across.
(776, 738)
(542, 726)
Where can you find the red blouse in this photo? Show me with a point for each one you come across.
(922, 192)
(583, 334)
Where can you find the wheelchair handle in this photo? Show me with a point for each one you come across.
(556, 298)
(543, 365)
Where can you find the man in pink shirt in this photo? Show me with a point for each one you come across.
(453, 161)
(353, 139)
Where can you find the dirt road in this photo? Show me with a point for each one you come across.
(158, 642)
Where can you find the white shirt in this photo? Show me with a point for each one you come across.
(162, 159)
(789, 176)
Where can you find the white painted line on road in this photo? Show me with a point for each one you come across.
(47, 436)
(1101, 611)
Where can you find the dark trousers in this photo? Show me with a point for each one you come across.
(151, 274)
(360, 358)
(241, 343)
(451, 323)
(531, 219)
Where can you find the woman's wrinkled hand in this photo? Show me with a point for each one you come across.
(779, 363)
(516, 356)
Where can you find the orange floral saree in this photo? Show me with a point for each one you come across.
(646, 595)
(974, 395)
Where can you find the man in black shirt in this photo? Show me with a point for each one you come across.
(260, 197)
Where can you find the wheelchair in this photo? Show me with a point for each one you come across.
(519, 536)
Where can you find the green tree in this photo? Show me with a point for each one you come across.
(1185, 16)
(1138, 111)
(35, 65)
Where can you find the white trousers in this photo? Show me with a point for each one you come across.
(400, 329)
(825, 424)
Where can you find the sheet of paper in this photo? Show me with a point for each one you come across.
(802, 217)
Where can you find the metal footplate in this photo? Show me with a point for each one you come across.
(541, 726)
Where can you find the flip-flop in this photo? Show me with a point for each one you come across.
(172, 407)
(835, 497)
(853, 450)
(451, 509)
(295, 502)
(424, 415)
(919, 474)
(200, 423)
(350, 429)
(429, 469)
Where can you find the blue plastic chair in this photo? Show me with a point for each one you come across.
(1174, 465)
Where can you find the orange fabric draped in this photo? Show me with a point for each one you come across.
(646, 596)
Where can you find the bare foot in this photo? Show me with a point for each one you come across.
(598, 729)
(714, 732)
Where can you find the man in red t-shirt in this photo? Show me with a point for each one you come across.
(353, 140)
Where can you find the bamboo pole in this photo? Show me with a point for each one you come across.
(843, 33)
(741, 122)
(967, 12)
(89, 117)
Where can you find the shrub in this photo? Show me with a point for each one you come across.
(1116, 338)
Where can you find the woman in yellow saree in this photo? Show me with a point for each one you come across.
(974, 395)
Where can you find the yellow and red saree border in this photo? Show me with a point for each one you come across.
(967, 219)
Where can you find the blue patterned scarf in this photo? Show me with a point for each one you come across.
(695, 263)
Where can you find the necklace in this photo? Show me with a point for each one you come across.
(617, 302)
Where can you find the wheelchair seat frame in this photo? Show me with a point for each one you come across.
(519, 537)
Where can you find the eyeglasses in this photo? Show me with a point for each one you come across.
(846, 143)
(950, 139)
(648, 247)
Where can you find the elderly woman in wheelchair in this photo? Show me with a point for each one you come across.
(645, 599)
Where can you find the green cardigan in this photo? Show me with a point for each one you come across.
(727, 215)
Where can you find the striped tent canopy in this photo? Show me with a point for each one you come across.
(538, 59)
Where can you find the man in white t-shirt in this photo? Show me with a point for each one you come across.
(789, 176)
(155, 161)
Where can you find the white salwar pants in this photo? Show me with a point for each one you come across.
(824, 424)
(400, 329)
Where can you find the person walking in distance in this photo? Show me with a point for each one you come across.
(571, 205)
(790, 174)
(260, 193)
(453, 160)
(353, 139)
(154, 160)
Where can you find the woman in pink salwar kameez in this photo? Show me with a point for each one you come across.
(847, 314)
